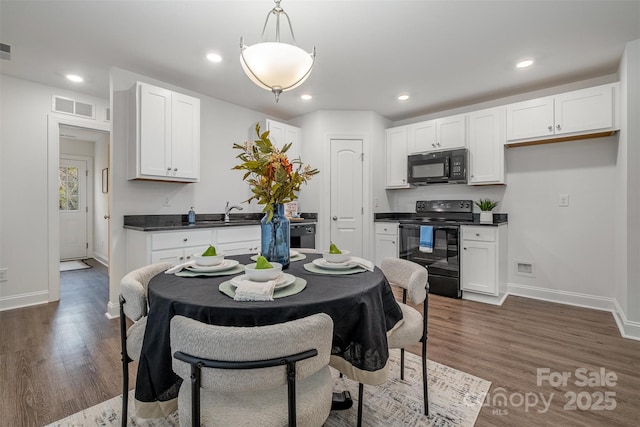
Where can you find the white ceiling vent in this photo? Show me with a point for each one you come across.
(76, 108)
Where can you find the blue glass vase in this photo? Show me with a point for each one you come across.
(275, 236)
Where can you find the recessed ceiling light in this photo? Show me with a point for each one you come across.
(214, 57)
(75, 78)
(306, 97)
(403, 97)
(524, 63)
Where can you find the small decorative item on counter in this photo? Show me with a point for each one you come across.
(486, 206)
(192, 216)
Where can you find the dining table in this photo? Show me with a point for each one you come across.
(360, 302)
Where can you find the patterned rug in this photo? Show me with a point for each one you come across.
(455, 399)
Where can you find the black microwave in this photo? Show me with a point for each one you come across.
(436, 168)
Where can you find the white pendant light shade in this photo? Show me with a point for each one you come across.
(276, 65)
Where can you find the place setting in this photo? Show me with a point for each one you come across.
(209, 263)
(338, 262)
(293, 256)
(262, 281)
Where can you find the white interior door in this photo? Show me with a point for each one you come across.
(72, 202)
(346, 194)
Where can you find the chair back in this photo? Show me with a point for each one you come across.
(133, 287)
(408, 275)
(230, 343)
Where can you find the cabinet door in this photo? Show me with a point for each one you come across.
(174, 256)
(584, 110)
(386, 247)
(154, 127)
(452, 132)
(422, 136)
(396, 157)
(185, 137)
(276, 132)
(486, 146)
(530, 119)
(479, 267)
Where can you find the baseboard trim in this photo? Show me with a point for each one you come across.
(627, 329)
(24, 300)
(113, 310)
(487, 299)
(102, 260)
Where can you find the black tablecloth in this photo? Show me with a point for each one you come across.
(362, 306)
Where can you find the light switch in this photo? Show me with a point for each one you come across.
(563, 200)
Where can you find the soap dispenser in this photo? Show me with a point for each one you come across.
(192, 216)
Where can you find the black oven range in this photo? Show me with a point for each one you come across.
(432, 239)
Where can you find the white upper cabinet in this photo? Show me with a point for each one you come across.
(165, 135)
(564, 116)
(280, 134)
(396, 157)
(486, 146)
(446, 133)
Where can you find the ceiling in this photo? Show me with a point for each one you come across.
(444, 54)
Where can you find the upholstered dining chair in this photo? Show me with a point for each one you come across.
(133, 305)
(273, 375)
(413, 279)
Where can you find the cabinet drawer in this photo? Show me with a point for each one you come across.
(238, 234)
(180, 239)
(484, 234)
(239, 248)
(389, 228)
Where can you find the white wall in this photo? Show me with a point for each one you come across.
(627, 195)
(24, 107)
(222, 125)
(318, 130)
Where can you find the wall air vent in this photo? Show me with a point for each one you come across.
(73, 107)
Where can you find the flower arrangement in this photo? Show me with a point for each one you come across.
(272, 176)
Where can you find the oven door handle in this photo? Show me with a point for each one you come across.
(435, 227)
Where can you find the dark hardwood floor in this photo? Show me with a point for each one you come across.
(59, 358)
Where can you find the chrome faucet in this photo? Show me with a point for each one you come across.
(227, 209)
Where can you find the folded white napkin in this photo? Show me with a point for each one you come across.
(255, 291)
(179, 267)
(366, 264)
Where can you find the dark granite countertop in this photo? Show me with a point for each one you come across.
(498, 218)
(181, 222)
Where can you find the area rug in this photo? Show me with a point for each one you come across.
(73, 265)
(455, 399)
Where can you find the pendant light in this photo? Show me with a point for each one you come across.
(276, 66)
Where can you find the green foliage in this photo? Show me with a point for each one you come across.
(272, 176)
(486, 204)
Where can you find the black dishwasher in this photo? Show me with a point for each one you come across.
(303, 235)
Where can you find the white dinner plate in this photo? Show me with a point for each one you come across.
(285, 279)
(323, 263)
(226, 264)
(292, 253)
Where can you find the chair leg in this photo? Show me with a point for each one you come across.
(125, 365)
(424, 377)
(402, 363)
(360, 398)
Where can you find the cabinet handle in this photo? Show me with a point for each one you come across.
(477, 234)
(433, 145)
(335, 218)
(185, 239)
(393, 242)
(175, 169)
(550, 128)
(438, 144)
(464, 249)
(558, 127)
(404, 181)
(181, 258)
(189, 257)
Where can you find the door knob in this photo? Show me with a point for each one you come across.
(335, 218)
(107, 216)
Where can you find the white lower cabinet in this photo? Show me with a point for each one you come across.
(484, 263)
(238, 240)
(179, 246)
(386, 241)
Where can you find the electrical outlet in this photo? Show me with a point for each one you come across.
(563, 200)
(3, 275)
(166, 201)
